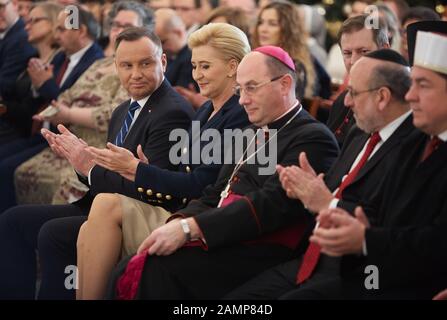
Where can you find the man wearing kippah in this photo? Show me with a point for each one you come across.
(402, 252)
(383, 121)
(244, 223)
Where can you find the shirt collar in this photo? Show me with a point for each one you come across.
(3, 34)
(141, 102)
(389, 129)
(75, 57)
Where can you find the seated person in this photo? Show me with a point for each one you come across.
(85, 109)
(123, 222)
(22, 103)
(15, 50)
(79, 52)
(245, 220)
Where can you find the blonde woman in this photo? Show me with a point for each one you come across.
(119, 224)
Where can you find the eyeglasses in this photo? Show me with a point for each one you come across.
(4, 4)
(252, 88)
(353, 93)
(117, 25)
(34, 20)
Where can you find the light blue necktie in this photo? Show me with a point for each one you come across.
(126, 125)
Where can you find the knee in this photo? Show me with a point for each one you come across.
(106, 206)
(9, 221)
(81, 236)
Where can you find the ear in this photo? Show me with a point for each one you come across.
(384, 98)
(232, 68)
(164, 62)
(286, 84)
(83, 31)
(178, 32)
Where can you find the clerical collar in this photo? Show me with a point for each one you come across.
(282, 119)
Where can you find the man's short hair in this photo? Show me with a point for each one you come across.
(145, 14)
(136, 33)
(357, 23)
(277, 68)
(88, 20)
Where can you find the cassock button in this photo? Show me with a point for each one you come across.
(159, 195)
(188, 169)
(168, 197)
(149, 192)
(140, 190)
(184, 200)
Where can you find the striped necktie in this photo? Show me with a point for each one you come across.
(127, 123)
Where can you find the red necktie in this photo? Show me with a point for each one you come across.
(62, 70)
(312, 254)
(431, 146)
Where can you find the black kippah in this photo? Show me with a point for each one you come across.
(388, 55)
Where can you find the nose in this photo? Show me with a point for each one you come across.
(354, 57)
(348, 101)
(196, 74)
(244, 99)
(411, 94)
(136, 73)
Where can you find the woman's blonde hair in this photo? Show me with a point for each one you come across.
(293, 38)
(230, 41)
(51, 11)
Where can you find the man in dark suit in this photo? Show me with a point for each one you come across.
(147, 120)
(401, 253)
(15, 49)
(407, 243)
(268, 223)
(355, 40)
(172, 32)
(79, 52)
(376, 95)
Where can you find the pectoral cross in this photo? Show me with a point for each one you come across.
(224, 194)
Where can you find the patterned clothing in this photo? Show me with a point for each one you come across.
(46, 178)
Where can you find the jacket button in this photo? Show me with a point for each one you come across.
(184, 200)
(149, 192)
(188, 169)
(159, 195)
(140, 190)
(168, 197)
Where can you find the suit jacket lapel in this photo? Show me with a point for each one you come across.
(401, 132)
(344, 164)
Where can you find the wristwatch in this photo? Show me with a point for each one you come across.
(186, 230)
